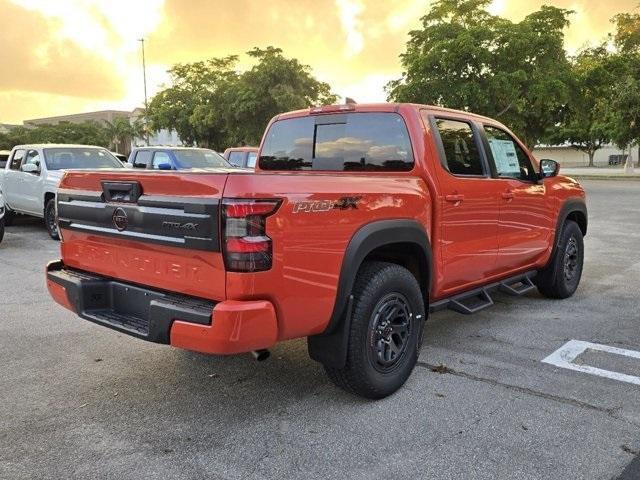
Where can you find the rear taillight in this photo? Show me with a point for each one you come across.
(247, 248)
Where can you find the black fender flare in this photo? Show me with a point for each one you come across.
(572, 205)
(330, 347)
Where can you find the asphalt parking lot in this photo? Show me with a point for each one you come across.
(81, 401)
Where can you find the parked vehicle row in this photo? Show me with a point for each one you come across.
(358, 222)
(30, 174)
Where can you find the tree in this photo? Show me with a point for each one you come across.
(204, 86)
(465, 58)
(624, 113)
(586, 124)
(274, 85)
(85, 133)
(118, 131)
(210, 103)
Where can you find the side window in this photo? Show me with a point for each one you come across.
(33, 157)
(509, 158)
(236, 159)
(142, 159)
(251, 159)
(16, 160)
(460, 149)
(160, 158)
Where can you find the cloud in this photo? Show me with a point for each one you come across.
(65, 56)
(350, 11)
(34, 58)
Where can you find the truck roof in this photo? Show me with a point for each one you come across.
(57, 145)
(377, 107)
(169, 147)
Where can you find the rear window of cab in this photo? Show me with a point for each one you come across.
(338, 142)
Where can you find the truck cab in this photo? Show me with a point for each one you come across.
(175, 158)
(32, 173)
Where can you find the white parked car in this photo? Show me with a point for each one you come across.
(31, 176)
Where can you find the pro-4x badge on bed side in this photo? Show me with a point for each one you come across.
(312, 206)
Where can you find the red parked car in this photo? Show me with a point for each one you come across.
(358, 222)
(241, 156)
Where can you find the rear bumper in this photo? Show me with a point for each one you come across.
(186, 322)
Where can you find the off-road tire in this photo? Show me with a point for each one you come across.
(50, 220)
(379, 289)
(561, 277)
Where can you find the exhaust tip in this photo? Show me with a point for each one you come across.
(261, 355)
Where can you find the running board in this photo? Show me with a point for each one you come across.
(478, 299)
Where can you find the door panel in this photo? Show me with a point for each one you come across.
(526, 220)
(32, 185)
(469, 202)
(12, 183)
(525, 226)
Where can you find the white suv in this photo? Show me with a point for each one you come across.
(32, 174)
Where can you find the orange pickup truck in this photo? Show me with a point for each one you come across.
(358, 221)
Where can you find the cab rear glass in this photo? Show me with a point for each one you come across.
(338, 142)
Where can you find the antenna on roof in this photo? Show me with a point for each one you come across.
(349, 101)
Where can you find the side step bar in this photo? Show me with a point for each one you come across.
(480, 298)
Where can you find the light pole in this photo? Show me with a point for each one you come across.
(146, 103)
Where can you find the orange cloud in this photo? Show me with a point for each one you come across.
(35, 59)
(74, 55)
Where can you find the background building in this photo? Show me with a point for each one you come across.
(568, 156)
(163, 137)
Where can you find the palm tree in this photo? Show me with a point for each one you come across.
(119, 130)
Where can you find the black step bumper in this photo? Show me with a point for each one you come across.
(128, 308)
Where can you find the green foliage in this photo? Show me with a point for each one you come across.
(627, 35)
(86, 133)
(586, 124)
(210, 103)
(465, 58)
(624, 110)
(120, 129)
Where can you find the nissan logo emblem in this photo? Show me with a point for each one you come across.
(120, 219)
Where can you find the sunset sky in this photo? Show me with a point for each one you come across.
(68, 56)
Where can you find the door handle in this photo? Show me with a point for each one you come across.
(456, 198)
(508, 195)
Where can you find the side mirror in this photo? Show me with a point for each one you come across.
(30, 168)
(549, 168)
(164, 166)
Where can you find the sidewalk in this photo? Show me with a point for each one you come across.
(600, 173)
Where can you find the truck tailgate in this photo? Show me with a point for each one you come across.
(149, 228)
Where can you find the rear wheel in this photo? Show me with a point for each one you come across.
(1, 229)
(386, 328)
(50, 220)
(561, 277)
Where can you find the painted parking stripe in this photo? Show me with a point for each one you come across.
(565, 355)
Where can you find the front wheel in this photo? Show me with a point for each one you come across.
(50, 220)
(386, 328)
(1, 229)
(561, 277)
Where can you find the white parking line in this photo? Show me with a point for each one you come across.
(565, 355)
